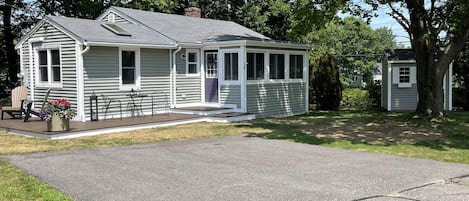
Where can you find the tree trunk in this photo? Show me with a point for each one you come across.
(9, 37)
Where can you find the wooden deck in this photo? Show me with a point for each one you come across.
(38, 128)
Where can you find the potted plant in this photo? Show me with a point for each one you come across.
(59, 114)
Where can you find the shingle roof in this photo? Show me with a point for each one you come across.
(92, 31)
(191, 29)
(400, 54)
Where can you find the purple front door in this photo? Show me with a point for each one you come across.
(211, 77)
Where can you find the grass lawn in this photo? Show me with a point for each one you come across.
(394, 133)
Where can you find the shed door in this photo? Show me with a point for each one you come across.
(211, 77)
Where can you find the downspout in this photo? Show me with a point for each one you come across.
(81, 84)
(173, 74)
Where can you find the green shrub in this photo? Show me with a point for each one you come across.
(355, 98)
(374, 93)
(326, 90)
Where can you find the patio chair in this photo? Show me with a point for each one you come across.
(39, 113)
(18, 96)
(107, 105)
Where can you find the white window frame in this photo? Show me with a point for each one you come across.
(396, 74)
(304, 67)
(137, 84)
(50, 83)
(286, 68)
(221, 66)
(265, 60)
(287, 53)
(197, 63)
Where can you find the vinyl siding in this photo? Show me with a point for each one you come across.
(53, 37)
(230, 94)
(279, 99)
(101, 76)
(188, 88)
(117, 19)
(403, 98)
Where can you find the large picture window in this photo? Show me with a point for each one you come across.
(255, 66)
(231, 66)
(296, 66)
(49, 68)
(277, 66)
(128, 67)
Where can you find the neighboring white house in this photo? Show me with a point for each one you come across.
(399, 82)
(194, 61)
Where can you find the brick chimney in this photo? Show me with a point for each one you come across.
(192, 12)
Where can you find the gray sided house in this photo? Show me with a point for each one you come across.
(399, 82)
(181, 61)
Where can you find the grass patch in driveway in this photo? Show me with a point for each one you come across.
(17, 185)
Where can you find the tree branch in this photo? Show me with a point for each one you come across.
(400, 18)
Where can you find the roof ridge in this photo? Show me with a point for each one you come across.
(175, 15)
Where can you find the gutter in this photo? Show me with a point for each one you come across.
(81, 82)
(173, 89)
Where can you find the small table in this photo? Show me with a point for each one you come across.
(133, 102)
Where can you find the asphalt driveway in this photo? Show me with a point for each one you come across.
(239, 168)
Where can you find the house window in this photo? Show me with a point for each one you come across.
(49, 68)
(255, 66)
(129, 69)
(277, 66)
(192, 63)
(231, 66)
(404, 75)
(296, 66)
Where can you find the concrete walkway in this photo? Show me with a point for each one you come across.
(238, 168)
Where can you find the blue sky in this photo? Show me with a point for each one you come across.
(402, 38)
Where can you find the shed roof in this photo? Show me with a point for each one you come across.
(186, 29)
(400, 54)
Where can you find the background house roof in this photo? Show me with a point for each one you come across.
(93, 31)
(186, 29)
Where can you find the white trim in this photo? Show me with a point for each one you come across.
(242, 76)
(111, 17)
(50, 83)
(450, 91)
(261, 43)
(202, 73)
(130, 45)
(404, 85)
(21, 73)
(221, 66)
(233, 106)
(173, 73)
(80, 82)
(402, 61)
(31, 71)
(444, 91)
(170, 78)
(197, 63)
(306, 79)
(137, 85)
(389, 86)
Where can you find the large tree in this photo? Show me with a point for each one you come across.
(354, 43)
(437, 30)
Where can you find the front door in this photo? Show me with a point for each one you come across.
(211, 77)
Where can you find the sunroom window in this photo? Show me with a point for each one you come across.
(277, 66)
(255, 66)
(231, 66)
(296, 66)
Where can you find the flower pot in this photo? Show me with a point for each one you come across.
(56, 123)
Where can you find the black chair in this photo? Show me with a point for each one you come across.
(107, 105)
